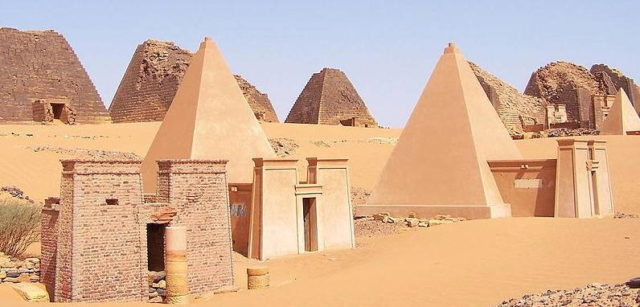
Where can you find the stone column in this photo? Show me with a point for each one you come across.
(176, 265)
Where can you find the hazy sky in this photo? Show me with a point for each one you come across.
(386, 48)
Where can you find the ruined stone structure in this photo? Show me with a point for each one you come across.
(586, 96)
(519, 113)
(152, 79)
(102, 240)
(329, 98)
(42, 80)
(150, 82)
(258, 101)
(571, 85)
(612, 80)
(476, 170)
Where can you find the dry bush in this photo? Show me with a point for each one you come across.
(19, 225)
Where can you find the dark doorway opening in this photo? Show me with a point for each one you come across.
(155, 247)
(310, 224)
(57, 110)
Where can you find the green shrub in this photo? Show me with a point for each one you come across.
(19, 225)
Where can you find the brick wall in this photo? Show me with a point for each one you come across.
(329, 98)
(48, 240)
(42, 65)
(198, 191)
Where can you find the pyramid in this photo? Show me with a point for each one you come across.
(153, 77)
(329, 98)
(439, 165)
(622, 118)
(41, 66)
(209, 118)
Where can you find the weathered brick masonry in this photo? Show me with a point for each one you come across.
(517, 111)
(152, 79)
(329, 98)
(97, 249)
(37, 65)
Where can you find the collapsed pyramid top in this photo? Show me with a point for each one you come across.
(622, 117)
(329, 98)
(209, 118)
(441, 156)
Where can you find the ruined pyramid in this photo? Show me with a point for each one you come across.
(329, 98)
(622, 118)
(446, 171)
(209, 118)
(152, 78)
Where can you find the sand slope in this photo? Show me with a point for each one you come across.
(473, 263)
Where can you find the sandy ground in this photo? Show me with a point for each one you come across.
(29, 154)
(472, 263)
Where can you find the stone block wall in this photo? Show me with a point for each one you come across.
(42, 65)
(48, 240)
(198, 190)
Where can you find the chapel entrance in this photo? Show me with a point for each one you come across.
(57, 109)
(309, 212)
(155, 246)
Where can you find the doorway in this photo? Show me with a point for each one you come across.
(310, 217)
(155, 247)
(57, 109)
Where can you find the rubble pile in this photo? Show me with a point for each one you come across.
(591, 295)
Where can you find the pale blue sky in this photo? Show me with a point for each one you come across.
(387, 48)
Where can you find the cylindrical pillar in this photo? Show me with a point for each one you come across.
(176, 265)
(257, 278)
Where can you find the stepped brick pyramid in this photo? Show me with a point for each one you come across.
(329, 98)
(259, 102)
(38, 68)
(150, 82)
(447, 173)
(622, 119)
(516, 110)
(617, 80)
(210, 119)
(152, 79)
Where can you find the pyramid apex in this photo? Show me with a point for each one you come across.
(451, 48)
(207, 41)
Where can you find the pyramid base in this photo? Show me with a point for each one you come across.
(427, 211)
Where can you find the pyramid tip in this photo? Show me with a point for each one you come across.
(451, 48)
(206, 41)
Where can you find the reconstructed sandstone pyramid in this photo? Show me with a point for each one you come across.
(516, 110)
(622, 118)
(42, 79)
(209, 118)
(329, 98)
(447, 173)
(614, 79)
(152, 78)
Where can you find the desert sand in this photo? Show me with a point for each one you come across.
(472, 263)
(30, 154)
